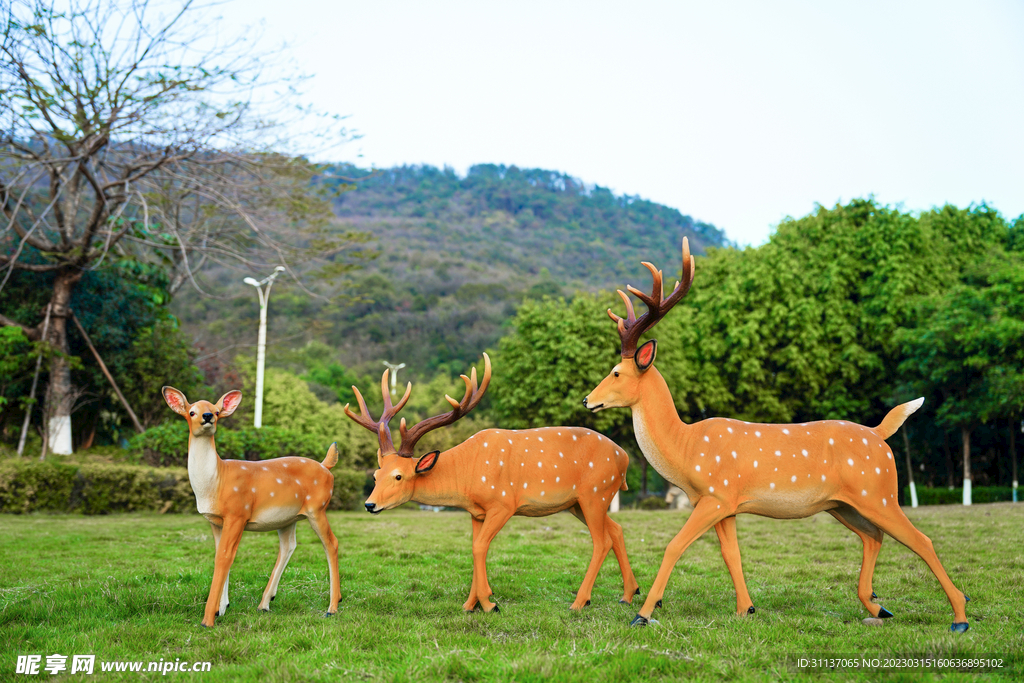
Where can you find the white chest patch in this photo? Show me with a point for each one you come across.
(202, 474)
(650, 448)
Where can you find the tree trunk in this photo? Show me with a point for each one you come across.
(60, 394)
(949, 461)
(1013, 457)
(965, 434)
(910, 469)
(643, 477)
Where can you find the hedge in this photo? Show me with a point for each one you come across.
(945, 496)
(167, 445)
(97, 489)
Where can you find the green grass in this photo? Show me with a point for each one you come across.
(132, 587)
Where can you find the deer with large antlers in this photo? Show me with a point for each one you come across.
(784, 471)
(499, 473)
(237, 496)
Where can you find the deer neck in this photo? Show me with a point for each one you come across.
(442, 485)
(662, 436)
(203, 471)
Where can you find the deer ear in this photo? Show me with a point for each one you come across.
(427, 462)
(644, 356)
(229, 401)
(176, 400)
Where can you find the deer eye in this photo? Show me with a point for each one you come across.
(398, 477)
(191, 413)
(616, 373)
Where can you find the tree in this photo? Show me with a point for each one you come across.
(120, 139)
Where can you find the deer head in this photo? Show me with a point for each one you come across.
(623, 385)
(398, 469)
(202, 416)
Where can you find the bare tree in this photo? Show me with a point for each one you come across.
(119, 138)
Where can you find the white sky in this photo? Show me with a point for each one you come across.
(737, 113)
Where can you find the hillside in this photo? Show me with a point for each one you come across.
(456, 256)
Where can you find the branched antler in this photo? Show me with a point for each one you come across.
(473, 396)
(380, 427)
(631, 327)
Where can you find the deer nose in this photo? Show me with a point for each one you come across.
(585, 401)
(207, 417)
(370, 506)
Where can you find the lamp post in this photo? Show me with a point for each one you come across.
(261, 343)
(394, 377)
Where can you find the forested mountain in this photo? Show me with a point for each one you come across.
(456, 256)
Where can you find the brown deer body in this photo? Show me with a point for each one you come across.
(727, 467)
(238, 495)
(499, 473)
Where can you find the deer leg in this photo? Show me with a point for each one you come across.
(630, 587)
(322, 528)
(227, 546)
(729, 542)
(895, 523)
(494, 520)
(871, 536)
(286, 546)
(707, 513)
(471, 601)
(225, 602)
(595, 518)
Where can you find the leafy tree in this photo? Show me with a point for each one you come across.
(160, 355)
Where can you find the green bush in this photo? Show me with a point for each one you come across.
(167, 445)
(98, 488)
(944, 496)
(652, 503)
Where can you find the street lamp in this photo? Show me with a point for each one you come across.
(394, 377)
(261, 344)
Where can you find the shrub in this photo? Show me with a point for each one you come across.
(167, 445)
(944, 496)
(652, 503)
(98, 488)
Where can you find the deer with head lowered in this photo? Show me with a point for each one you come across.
(499, 473)
(784, 471)
(237, 496)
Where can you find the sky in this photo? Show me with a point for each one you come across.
(736, 113)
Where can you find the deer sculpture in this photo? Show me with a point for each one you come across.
(498, 473)
(784, 471)
(237, 496)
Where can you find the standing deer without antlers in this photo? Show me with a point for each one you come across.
(237, 496)
(726, 467)
(498, 473)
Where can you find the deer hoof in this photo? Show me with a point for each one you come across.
(264, 609)
(329, 614)
(623, 602)
(967, 597)
(959, 627)
(884, 613)
(639, 621)
(495, 610)
(272, 597)
(637, 591)
(751, 610)
(874, 595)
(657, 604)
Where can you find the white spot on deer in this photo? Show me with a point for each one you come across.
(831, 442)
(574, 487)
(878, 470)
(591, 464)
(502, 450)
(757, 434)
(559, 433)
(487, 462)
(539, 463)
(698, 468)
(524, 485)
(485, 444)
(793, 479)
(526, 450)
(315, 482)
(884, 502)
(540, 438)
(573, 437)
(264, 469)
(271, 494)
(613, 477)
(595, 489)
(755, 463)
(503, 493)
(734, 455)
(557, 479)
(244, 467)
(307, 497)
(823, 477)
(718, 459)
(771, 486)
(778, 452)
(279, 481)
(296, 495)
(707, 439)
(865, 441)
(786, 432)
(542, 481)
(890, 455)
(254, 490)
(618, 453)
(725, 482)
(492, 486)
(702, 455)
(483, 479)
(849, 461)
(600, 438)
(804, 451)
(711, 489)
(864, 492)
(236, 488)
(542, 493)
(560, 454)
(510, 442)
(522, 464)
(298, 482)
(729, 429)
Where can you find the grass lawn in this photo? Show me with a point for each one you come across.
(132, 587)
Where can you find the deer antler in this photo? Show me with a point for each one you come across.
(380, 427)
(631, 327)
(459, 408)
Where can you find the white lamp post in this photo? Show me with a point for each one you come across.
(394, 376)
(261, 344)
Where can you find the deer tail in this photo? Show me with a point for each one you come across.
(896, 417)
(331, 459)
